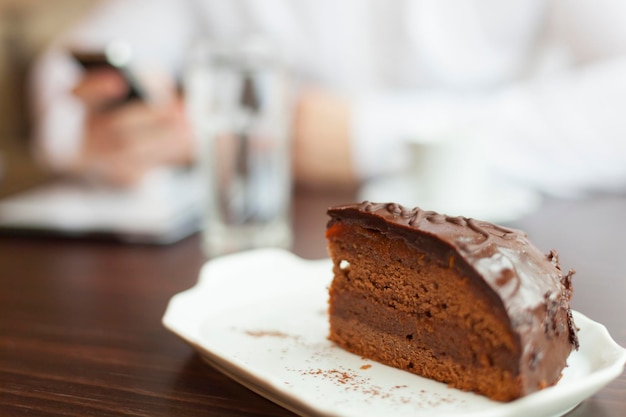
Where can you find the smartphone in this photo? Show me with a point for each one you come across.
(93, 60)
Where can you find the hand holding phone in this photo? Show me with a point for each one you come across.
(115, 57)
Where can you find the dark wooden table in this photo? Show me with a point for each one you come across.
(80, 321)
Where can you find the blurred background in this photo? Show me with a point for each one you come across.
(556, 107)
(26, 27)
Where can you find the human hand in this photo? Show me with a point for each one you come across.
(123, 143)
(321, 133)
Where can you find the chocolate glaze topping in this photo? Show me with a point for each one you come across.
(527, 282)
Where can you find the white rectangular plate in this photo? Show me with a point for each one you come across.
(261, 318)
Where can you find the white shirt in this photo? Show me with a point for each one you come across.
(543, 81)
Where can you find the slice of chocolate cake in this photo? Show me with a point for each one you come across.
(461, 301)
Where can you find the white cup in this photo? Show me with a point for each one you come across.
(448, 171)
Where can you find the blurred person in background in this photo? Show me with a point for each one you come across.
(543, 81)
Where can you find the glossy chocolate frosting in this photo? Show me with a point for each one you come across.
(527, 283)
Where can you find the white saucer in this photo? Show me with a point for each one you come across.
(499, 204)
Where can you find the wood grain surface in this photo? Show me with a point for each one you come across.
(81, 332)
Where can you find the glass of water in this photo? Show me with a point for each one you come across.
(237, 98)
